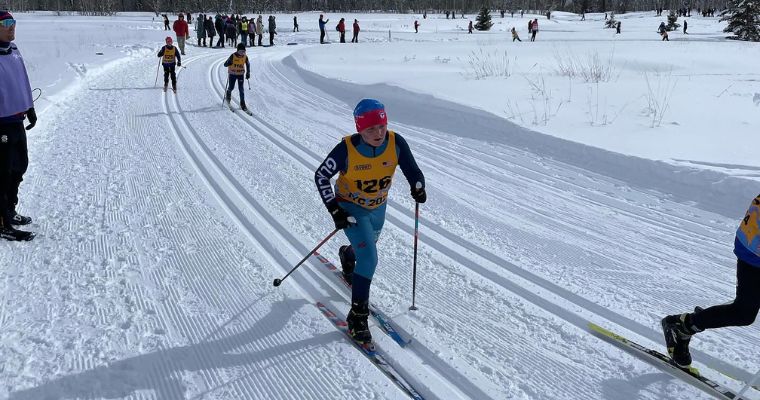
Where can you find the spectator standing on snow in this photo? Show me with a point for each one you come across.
(295, 24)
(170, 59)
(273, 30)
(260, 28)
(416, 26)
(220, 28)
(182, 31)
(469, 27)
(514, 35)
(244, 31)
(16, 105)
(355, 39)
(252, 32)
(166, 22)
(322, 24)
(341, 28)
(534, 30)
(210, 31)
(200, 30)
(685, 25)
(617, 27)
(530, 26)
(231, 31)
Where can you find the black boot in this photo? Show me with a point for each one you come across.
(678, 331)
(18, 219)
(347, 263)
(9, 233)
(228, 98)
(357, 322)
(243, 106)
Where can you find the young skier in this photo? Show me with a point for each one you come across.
(515, 36)
(366, 162)
(679, 328)
(16, 104)
(170, 59)
(237, 65)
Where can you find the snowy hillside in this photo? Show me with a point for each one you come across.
(553, 202)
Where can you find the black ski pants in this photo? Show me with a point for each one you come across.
(169, 70)
(14, 160)
(321, 36)
(743, 310)
(231, 86)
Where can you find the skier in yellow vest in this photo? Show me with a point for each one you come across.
(237, 67)
(366, 162)
(170, 59)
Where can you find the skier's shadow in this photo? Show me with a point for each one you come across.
(615, 389)
(161, 371)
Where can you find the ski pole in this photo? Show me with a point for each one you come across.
(749, 384)
(277, 281)
(416, 236)
(249, 84)
(158, 67)
(224, 95)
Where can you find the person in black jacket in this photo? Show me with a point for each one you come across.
(272, 30)
(219, 25)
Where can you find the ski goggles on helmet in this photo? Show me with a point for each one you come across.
(7, 23)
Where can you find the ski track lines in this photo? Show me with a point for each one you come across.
(560, 292)
(452, 306)
(245, 210)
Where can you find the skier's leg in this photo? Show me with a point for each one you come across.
(742, 311)
(230, 85)
(241, 90)
(19, 161)
(174, 77)
(166, 76)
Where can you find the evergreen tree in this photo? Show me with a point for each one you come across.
(483, 20)
(743, 18)
(672, 18)
(610, 23)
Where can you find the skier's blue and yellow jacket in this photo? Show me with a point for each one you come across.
(747, 243)
(366, 172)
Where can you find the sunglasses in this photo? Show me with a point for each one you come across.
(7, 23)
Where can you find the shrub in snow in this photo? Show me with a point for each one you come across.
(483, 20)
(672, 24)
(610, 23)
(482, 65)
(743, 18)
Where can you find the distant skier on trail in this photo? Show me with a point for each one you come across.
(678, 329)
(515, 36)
(237, 66)
(170, 58)
(16, 104)
(365, 163)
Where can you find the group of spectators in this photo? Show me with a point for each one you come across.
(230, 30)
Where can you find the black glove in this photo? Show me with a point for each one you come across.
(179, 64)
(341, 218)
(247, 75)
(32, 117)
(419, 195)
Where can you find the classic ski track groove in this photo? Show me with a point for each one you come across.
(490, 274)
(230, 194)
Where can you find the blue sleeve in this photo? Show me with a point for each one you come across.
(161, 52)
(228, 62)
(334, 162)
(407, 163)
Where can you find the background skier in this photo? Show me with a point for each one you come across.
(170, 59)
(237, 66)
(361, 193)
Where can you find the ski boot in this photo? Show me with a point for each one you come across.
(165, 87)
(243, 106)
(347, 263)
(12, 234)
(18, 219)
(678, 331)
(357, 323)
(228, 99)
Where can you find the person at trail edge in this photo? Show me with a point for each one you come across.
(170, 59)
(366, 162)
(237, 65)
(16, 104)
(183, 32)
(322, 23)
(678, 329)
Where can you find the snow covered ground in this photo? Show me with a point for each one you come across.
(163, 219)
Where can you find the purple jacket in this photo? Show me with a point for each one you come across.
(15, 90)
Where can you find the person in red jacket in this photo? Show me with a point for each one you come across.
(355, 39)
(183, 32)
(342, 29)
